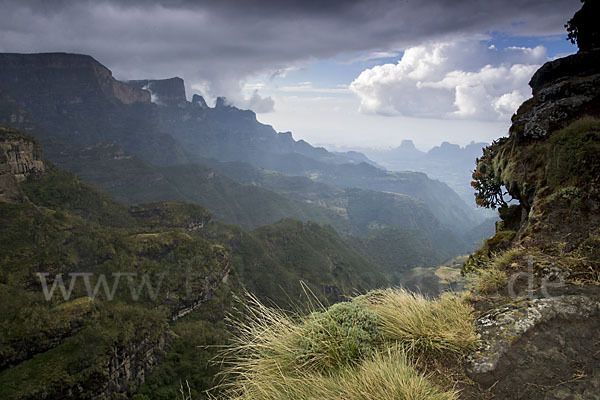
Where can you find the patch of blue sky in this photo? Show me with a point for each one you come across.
(556, 45)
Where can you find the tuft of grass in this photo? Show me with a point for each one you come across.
(488, 280)
(505, 259)
(492, 276)
(362, 349)
(423, 326)
(387, 375)
(271, 341)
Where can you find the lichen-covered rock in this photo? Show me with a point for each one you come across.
(536, 342)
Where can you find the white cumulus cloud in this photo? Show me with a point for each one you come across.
(461, 79)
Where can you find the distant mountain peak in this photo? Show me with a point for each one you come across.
(222, 102)
(407, 144)
(169, 92)
(197, 99)
(287, 135)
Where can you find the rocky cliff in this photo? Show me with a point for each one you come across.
(537, 281)
(169, 92)
(50, 70)
(20, 157)
(71, 100)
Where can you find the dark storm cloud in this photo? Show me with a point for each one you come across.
(217, 44)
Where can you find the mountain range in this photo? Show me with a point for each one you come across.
(144, 141)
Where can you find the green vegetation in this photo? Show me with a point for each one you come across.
(488, 280)
(190, 361)
(490, 248)
(337, 337)
(574, 152)
(82, 359)
(486, 182)
(386, 376)
(568, 158)
(398, 251)
(292, 251)
(62, 191)
(67, 226)
(363, 349)
(555, 179)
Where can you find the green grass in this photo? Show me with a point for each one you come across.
(573, 154)
(362, 349)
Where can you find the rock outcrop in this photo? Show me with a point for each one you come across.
(544, 331)
(199, 100)
(20, 156)
(563, 91)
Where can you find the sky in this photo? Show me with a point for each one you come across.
(361, 73)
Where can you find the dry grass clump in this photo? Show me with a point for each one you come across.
(493, 276)
(362, 349)
(488, 280)
(387, 375)
(444, 325)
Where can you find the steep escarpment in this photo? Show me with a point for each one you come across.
(537, 280)
(89, 288)
(72, 99)
(69, 72)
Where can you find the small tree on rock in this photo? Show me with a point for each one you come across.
(584, 28)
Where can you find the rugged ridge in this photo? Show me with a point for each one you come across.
(71, 100)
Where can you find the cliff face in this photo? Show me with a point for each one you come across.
(537, 280)
(170, 92)
(54, 74)
(20, 156)
(74, 99)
